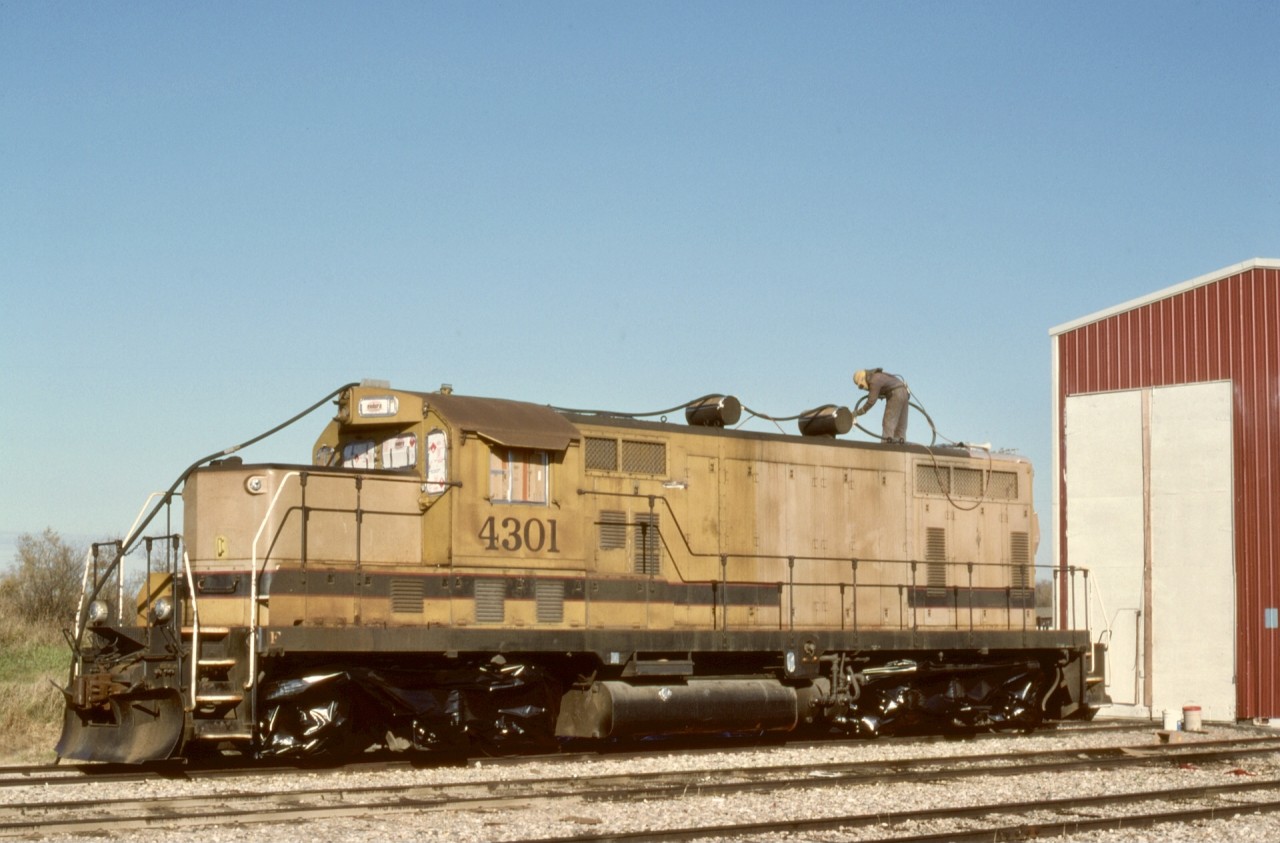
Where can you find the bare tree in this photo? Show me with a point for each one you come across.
(45, 584)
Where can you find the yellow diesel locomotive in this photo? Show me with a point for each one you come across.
(446, 572)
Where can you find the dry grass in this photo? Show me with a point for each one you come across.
(30, 721)
(31, 658)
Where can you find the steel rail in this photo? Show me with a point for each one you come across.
(1029, 830)
(283, 806)
(98, 814)
(81, 774)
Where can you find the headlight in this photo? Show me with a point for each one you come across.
(98, 611)
(162, 609)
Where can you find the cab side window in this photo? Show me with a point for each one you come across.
(400, 451)
(359, 454)
(518, 475)
(392, 452)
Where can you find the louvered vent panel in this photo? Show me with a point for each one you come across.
(613, 530)
(406, 595)
(491, 596)
(1020, 558)
(550, 600)
(935, 554)
(644, 457)
(935, 548)
(932, 479)
(648, 544)
(601, 454)
(968, 482)
(1003, 486)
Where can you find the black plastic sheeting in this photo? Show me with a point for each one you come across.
(348, 710)
(500, 708)
(951, 700)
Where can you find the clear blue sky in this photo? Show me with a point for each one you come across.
(213, 214)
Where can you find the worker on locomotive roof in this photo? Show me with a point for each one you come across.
(878, 382)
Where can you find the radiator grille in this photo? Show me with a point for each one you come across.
(550, 599)
(491, 596)
(601, 454)
(967, 482)
(932, 479)
(644, 457)
(1003, 486)
(406, 596)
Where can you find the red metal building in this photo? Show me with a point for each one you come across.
(1167, 468)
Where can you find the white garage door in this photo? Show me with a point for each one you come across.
(1180, 439)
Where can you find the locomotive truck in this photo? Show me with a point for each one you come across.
(446, 572)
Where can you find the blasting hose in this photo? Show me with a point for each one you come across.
(132, 539)
(933, 441)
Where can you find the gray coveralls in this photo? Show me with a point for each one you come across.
(894, 425)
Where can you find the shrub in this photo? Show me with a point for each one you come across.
(44, 586)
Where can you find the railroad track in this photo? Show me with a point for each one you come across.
(508, 796)
(987, 822)
(53, 775)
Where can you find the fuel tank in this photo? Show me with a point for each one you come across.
(615, 709)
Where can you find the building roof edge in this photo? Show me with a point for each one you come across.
(1199, 281)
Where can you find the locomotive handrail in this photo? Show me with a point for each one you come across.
(252, 638)
(791, 584)
(134, 528)
(195, 628)
(777, 557)
(79, 628)
(253, 581)
(129, 536)
(86, 596)
(231, 450)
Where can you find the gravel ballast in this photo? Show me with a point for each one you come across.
(571, 817)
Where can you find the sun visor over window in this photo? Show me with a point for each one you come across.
(514, 424)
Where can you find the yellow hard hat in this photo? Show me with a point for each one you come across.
(860, 378)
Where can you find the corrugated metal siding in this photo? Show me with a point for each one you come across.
(1228, 329)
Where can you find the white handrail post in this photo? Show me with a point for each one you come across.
(84, 590)
(253, 582)
(195, 627)
(128, 537)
